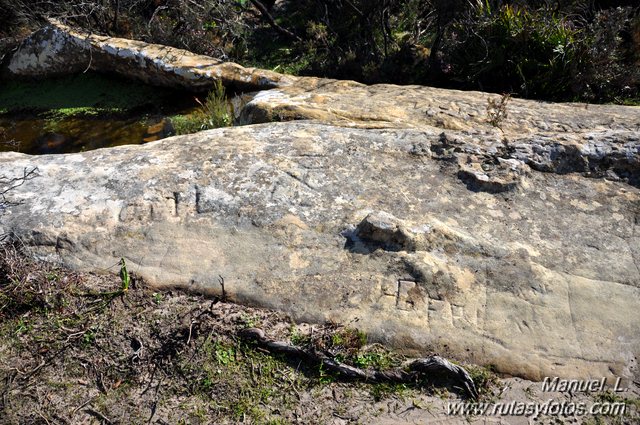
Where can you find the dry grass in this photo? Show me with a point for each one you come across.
(497, 110)
(75, 348)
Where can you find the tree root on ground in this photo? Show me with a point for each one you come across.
(428, 367)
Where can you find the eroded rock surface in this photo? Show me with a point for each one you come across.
(399, 210)
(335, 223)
(59, 50)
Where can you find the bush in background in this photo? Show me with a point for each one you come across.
(544, 53)
(556, 50)
(511, 49)
(214, 27)
(606, 67)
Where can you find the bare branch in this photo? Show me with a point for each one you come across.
(420, 368)
(267, 16)
(7, 184)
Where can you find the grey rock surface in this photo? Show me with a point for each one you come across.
(334, 223)
(58, 49)
(397, 210)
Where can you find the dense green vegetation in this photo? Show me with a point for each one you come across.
(585, 50)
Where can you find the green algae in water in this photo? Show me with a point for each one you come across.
(84, 112)
(83, 94)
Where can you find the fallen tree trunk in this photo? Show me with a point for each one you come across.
(417, 369)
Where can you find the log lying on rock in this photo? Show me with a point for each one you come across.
(421, 368)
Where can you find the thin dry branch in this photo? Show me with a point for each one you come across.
(9, 183)
(267, 16)
(417, 369)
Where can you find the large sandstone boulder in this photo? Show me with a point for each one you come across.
(398, 210)
(59, 50)
(369, 227)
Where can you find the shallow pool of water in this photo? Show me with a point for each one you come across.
(36, 135)
(85, 112)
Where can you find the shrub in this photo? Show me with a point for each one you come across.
(215, 28)
(216, 111)
(212, 27)
(561, 50)
(511, 49)
(360, 39)
(572, 52)
(607, 61)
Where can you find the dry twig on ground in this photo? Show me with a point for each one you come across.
(417, 369)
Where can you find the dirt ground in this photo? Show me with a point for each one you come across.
(80, 348)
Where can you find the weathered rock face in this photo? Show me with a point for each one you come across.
(60, 50)
(354, 104)
(328, 222)
(398, 210)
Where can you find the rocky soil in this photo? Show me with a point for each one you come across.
(76, 349)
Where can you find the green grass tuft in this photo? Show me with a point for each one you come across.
(215, 112)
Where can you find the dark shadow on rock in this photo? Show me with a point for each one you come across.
(480, 182)
(379, 230)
